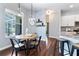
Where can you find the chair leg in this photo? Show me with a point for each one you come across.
(12, 52)
(68, 47)
(39, 48)
(72, 50)
(25, 52)
(77, 52)
(28, 51)
(16, 53)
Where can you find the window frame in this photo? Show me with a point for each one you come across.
(16, 14)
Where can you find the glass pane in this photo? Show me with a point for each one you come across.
(18, 29)
(18, 20)
(9, 23)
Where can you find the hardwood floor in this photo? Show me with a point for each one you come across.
(49, 49)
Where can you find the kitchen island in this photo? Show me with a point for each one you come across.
(72, 37)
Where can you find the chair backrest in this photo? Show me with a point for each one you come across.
(13, 42)
(39, 40)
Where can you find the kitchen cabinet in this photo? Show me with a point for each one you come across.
(64, 21)
(76, 17)
(67, 21)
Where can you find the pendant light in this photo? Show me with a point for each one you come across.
(31, 19)
(19, 10)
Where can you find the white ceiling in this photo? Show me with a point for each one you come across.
(40, 6)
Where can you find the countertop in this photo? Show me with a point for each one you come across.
(71, 36)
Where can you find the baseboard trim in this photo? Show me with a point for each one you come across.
(3, 48)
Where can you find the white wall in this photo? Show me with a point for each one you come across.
(3, 42)
(54, 25)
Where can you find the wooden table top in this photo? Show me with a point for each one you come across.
(27, 36)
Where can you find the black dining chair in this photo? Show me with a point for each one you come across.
(17, 46)
(35, 44)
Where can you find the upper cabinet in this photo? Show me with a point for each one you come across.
(76, 17)
(69, 20)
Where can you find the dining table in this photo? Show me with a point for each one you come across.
(26, 38)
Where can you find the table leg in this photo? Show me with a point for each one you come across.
(62, 48)
(72, 51)
(28, 46)
(68, 47)
(77, 52)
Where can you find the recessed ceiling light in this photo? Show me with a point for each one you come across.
(71, 6)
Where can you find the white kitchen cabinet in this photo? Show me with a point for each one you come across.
(76, 17)
(64, 21)
(67, 21)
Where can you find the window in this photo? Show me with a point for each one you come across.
(13, 24)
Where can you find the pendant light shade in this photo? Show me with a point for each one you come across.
(31, 19)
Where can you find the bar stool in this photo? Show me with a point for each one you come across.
(75, 46)
(62, 42)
